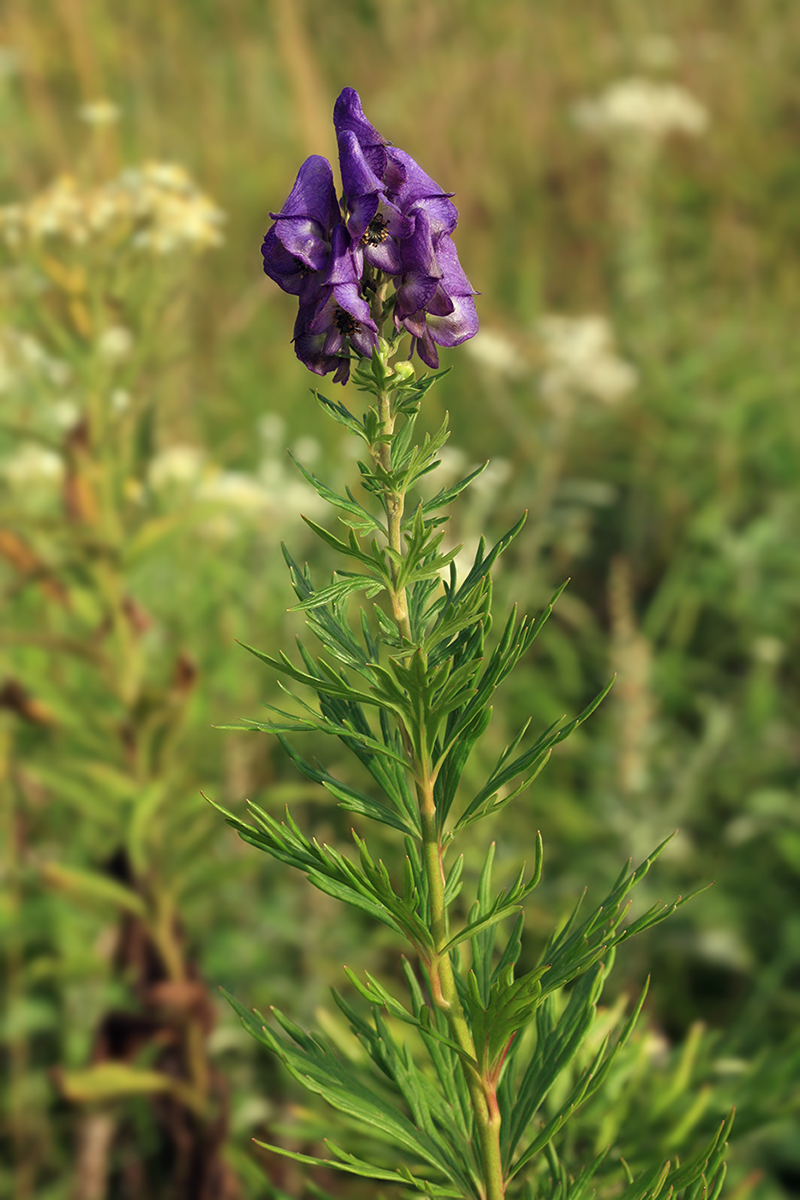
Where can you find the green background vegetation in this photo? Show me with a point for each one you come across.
(675, 513)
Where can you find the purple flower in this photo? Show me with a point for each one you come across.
(373, 222)
(395, 222)
(381, 185)
(298, 244)
(434, 297)
(333, 312)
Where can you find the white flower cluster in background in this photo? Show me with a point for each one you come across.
(23, 359)
(32, 466)
(498, 354)
(157, 208)
(642, 107)
(274, 494)
(99, 113)
(580, 357)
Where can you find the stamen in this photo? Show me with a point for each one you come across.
(377, 231)
(344, 322)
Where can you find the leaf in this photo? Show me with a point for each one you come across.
(707, 1163)
(96, 888)
(335, 593)
(591, 1079)
(318, 1070)
(476, 927)
(556, 1046)
(107, 1081)
(353, 800)
(345, 504)
(527, 765)
(342, 415)
(324, 867)
(447, 495)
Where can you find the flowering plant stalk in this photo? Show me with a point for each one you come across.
(409, 694)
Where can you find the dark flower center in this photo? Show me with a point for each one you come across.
(377, 231)
(344, 322)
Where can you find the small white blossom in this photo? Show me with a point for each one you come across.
(235, 489)
(157, 208)
(64, 414)
(642, 107)
(120, 400)
(99, 112)
(175, 466)
(496, 352)
(115, 343)
(30, 465)
(580, 357)
(24, 359)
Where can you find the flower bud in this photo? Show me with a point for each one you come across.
(403, 372)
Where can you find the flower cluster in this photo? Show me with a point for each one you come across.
(643, 108)
(580, 357)
(393, 225)
(157, 208)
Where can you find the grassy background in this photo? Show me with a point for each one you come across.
(675, 513)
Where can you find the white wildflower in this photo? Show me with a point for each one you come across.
(24, 359)
(580, 357)
(64, 414)
(32, 465)
(452, 466)
(120, 400)
(642, 107)
(497, 352)
(99, 112)
(272, 474)
(235, 489)
(157, 208)
(175, 466)
(57, 371)
(8, 376)
(298, 497)
(115, 343)
(464, 560)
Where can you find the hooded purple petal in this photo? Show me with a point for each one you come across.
(458, 327)
(343, 267)
(287, 271)
(299, 241)
(420, 271)
(348, 116)
(427, 351)
(418, 187)
(453, 278)
(313, 194)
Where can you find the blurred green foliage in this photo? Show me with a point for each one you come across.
(139, 540)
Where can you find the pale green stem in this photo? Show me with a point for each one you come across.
(443, 985)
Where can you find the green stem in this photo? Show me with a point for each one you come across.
(443, 985)
(394, 514)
